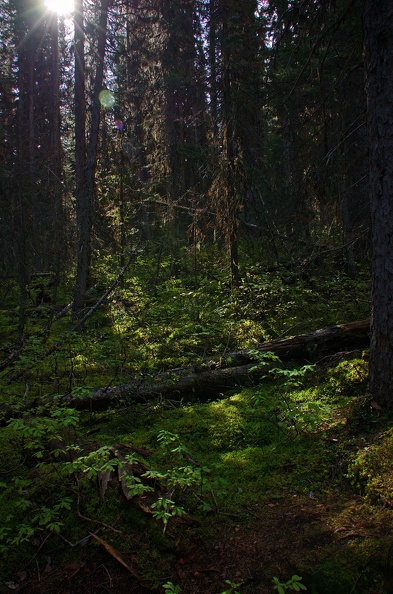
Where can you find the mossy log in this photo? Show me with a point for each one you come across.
(209, 379)
(312, 345)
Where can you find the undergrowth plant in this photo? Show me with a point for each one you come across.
(158, 322)
(179, 480)
(294, 583)
(171, 588)
(176, 481)
(45, 440)
(232, 587)
(294, 416)
(49, 439)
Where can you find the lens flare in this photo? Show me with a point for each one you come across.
(60, 7)
(107, 99)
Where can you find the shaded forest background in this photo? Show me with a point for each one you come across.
(235, 129)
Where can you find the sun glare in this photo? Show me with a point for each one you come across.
(60, 7)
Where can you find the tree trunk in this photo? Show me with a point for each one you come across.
(96, 108)
(213, 92)
(25, 38)
(378, 43)
(230, 170)
(86, 156)
(58, 222)
(83, 215)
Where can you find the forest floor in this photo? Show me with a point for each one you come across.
(302, 516)
(236, 493)
(243, 552)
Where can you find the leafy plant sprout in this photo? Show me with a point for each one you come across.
(232, 587)
(294, 583)
(171, 588)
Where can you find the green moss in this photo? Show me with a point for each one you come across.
(371, 470)
(331, 577)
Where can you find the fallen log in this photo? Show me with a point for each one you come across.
(210, 379)
(310, 346)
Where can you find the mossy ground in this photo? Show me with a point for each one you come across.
(279, 495)
(290, 476)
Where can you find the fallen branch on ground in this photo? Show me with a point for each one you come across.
(239, 368)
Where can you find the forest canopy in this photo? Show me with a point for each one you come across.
(193, 123)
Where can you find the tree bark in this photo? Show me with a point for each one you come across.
(86, 156)
(83, 214)
(378, 45)
(96, 108)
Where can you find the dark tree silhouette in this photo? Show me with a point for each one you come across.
(378, 39)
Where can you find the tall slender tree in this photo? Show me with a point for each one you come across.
(86, 154)
(240, 127)
(37, 203)
(83, 210)
(378, 41)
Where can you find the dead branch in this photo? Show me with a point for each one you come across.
(106, 294)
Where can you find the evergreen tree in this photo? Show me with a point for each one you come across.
(378, 23)
(35, 205)
(239, 126)
(316, 133)
(86, 155)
